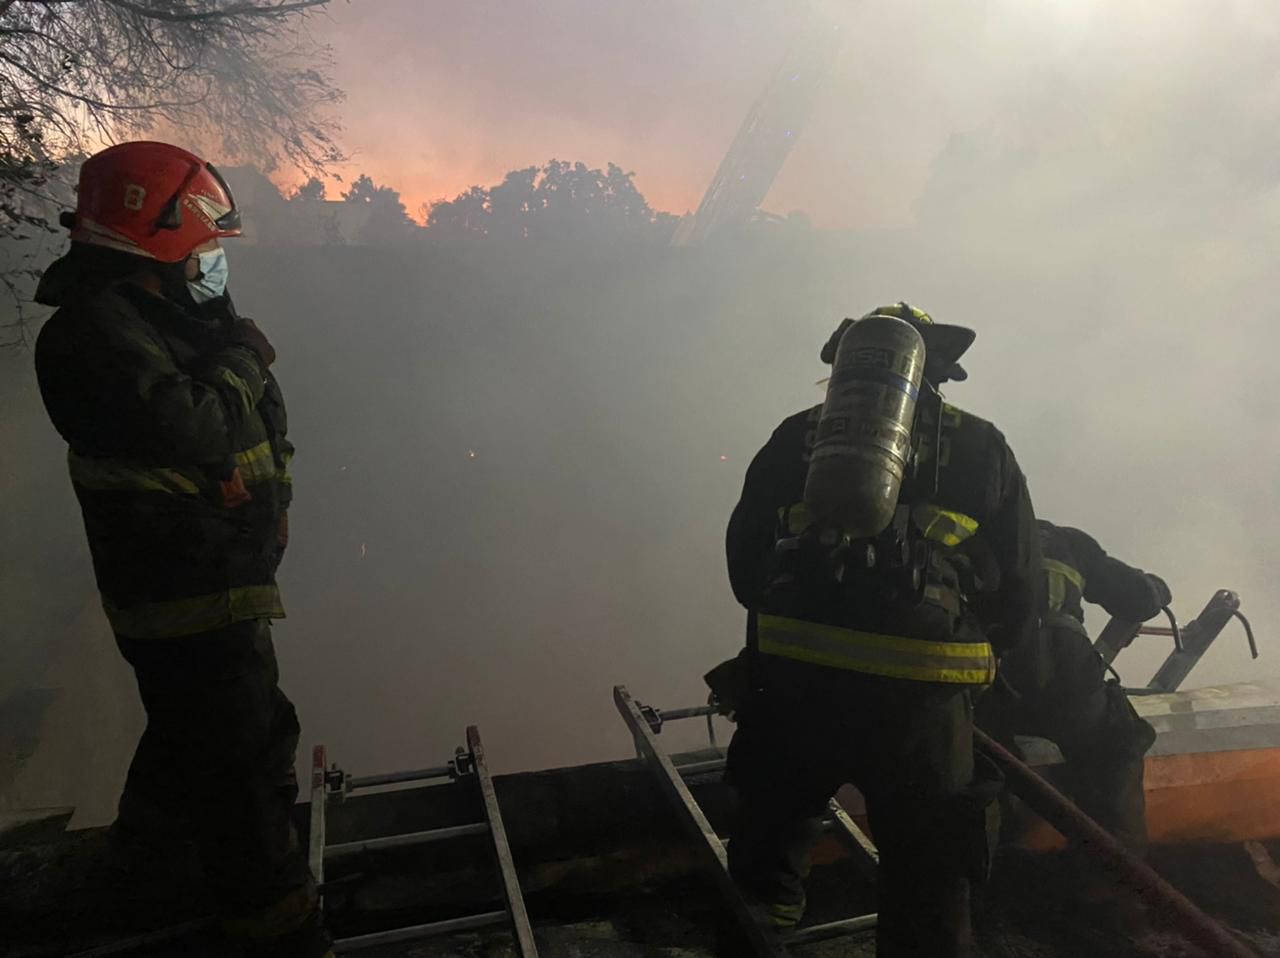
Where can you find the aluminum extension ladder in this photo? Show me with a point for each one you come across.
(645, 723)
(1191, 640)
(467, 768)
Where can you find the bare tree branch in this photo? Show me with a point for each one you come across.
(237, 79)
(232, 11)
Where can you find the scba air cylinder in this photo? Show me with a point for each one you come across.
(863, 441)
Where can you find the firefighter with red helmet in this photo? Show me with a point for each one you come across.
(178, 457)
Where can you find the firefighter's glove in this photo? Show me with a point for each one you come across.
(1160, 590)
(245, 332)
(233, 490)
(729, 685)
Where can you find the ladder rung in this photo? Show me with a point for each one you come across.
(671, 715)
(419, 932)
(701, 768)
(832, 929)
(406, 840)
(396, 778)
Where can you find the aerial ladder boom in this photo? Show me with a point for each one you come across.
(766, 137)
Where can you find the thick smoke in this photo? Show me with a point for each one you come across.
(515, 464)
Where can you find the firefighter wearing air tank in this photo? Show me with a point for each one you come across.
(864, 646)
(178, 456)
(1062, 693)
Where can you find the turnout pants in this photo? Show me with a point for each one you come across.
(216, 765)
(1064, 696)
(908, 747)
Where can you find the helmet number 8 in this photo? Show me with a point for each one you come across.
(134, 196)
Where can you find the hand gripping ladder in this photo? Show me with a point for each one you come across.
(467, 769)
(1191, 640)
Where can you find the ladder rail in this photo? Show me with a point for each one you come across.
(520, 927)
(710, 849)
(858, 841)
(316, 841)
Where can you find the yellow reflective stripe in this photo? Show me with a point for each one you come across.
(257, 464)
(1070, 573)
(1057, 591)
(241, 387)
(1059, 574)
(893, 656)
(902, 311)
(944, 525)
(795, 518)
(785, 916)
(178, 617)
(261, 451)
(115, 475)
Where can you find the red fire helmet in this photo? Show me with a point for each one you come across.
(154, 200)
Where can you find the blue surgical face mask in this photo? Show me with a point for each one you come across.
(213, 276)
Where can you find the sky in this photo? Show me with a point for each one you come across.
(657, 87)
(441, 96)
(1093, 186)
(485, 87)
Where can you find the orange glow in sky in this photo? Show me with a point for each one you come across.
(433, 109)
(443, 97)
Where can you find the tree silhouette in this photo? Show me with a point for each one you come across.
(310, 191)
(388, 220)
(233, 75)
(557, 201)
(510, 205)
(233, 72)
(464, 216)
